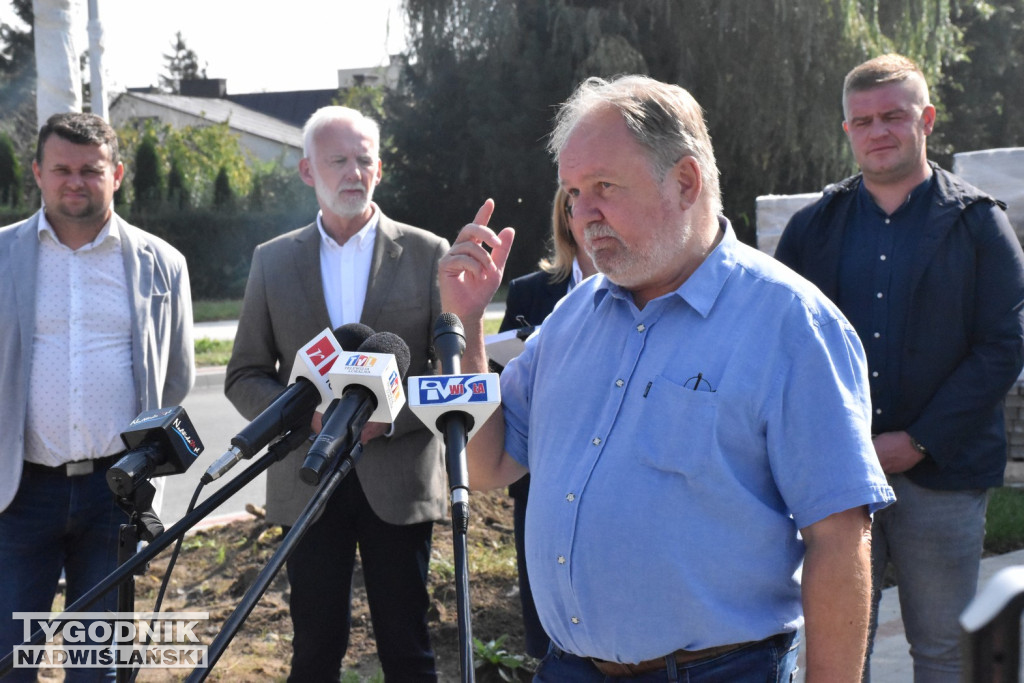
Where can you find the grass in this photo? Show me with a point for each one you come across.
(1004, 522)
(214, 352)
(210, 310)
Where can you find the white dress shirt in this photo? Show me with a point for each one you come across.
(81, 390)
(345, 270)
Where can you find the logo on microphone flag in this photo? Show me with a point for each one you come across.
(322, 352)
(453, 389)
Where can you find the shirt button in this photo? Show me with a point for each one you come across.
(875, 373)
(571, 497)
(882, 257)
(640, 327)
(887, 221)
(561, 559)
(596, 441)
(619, 383)
(877, 335)
(575, 620)
(878, 411)
(879, 295)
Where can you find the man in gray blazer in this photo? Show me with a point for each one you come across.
(353, 264)
(97, 327)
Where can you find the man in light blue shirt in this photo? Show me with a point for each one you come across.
(696, 421)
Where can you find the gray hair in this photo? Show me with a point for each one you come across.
(331, 114)
(664, 119)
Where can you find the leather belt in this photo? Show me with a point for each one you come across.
(620, 670)
(77, 468)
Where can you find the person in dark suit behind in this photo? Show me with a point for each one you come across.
(929, 272)
(352, 264)
(530, 299)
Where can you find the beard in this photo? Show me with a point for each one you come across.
(344, 206)
(632, 267)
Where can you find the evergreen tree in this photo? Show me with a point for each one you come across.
(10, 173)
(147, 177)
(181, 65)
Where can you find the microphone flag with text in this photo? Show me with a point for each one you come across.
(368, 384)
(159, 442)
(453, 405)
(309, 390)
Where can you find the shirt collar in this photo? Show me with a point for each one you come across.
(868, 202)
(361, 240)
(702, 288)
(110, 231)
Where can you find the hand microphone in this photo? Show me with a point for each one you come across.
(368, 384)
(453, 406)
(309, 388)
(160, 441)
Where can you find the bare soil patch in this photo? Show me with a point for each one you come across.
(217, 565)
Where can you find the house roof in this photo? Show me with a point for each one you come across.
(217, 110)
(294, 106)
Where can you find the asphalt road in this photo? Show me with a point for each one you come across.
(216, 421)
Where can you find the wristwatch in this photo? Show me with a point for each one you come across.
(918, 446)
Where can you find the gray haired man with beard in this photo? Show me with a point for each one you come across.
(671, 413)
(353, 264)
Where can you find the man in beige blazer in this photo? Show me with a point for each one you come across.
(353, 264)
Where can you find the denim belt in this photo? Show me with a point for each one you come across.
(620, 670)
(76, 468)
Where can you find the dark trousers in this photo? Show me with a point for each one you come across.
(395, 560)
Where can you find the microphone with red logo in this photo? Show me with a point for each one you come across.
(368, 384)
(309, 389)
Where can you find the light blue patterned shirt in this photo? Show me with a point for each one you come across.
(676, 451)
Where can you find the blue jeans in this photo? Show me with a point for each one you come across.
(56, 522)
(934, 541)
(766, 662)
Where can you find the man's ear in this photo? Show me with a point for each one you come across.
(688, 181)
(306, 173)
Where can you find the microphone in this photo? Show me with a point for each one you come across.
(309, 388)
(160, 441)
(368, 384)
(453, 406)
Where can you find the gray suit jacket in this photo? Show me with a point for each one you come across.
(403, 476)
(163, 362)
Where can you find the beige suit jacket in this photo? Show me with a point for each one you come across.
(403, 475)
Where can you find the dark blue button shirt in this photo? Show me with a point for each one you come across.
(874, 288)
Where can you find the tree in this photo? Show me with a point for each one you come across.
(10, 173)
(483, 77)
(147, 178)
(983, 92)
(17, 47)
(181, 65)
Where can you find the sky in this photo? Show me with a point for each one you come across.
(257, 45)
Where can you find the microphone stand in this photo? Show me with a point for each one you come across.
(275, 452)
(310, 514)
(455, 442)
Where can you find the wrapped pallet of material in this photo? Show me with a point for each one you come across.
(1000, 172)
(773, 212)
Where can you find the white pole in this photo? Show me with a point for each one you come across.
(58, 83)
(97, 86)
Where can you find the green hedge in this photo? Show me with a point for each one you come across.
(218, 245)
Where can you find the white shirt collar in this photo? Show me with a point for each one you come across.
(109, 231)
(361, 240)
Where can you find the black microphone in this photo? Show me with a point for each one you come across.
(160, 441)
(369, 385)
(295, 405)
(449, 343)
